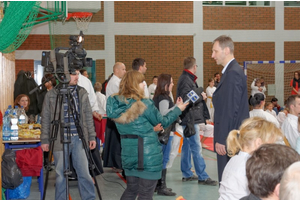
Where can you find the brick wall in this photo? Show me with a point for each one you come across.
(154, 11)
(238, 18)
(99, 16)
(36, 42)
(26, 65)
(291, 18)
(163, 54)
(91, 42)
(100, 71)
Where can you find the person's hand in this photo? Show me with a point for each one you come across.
(92, 144)
(158, 127)
(209, 122)
(220, 149)
(260, 89)
(182, 105)
(179, 100)
(97, 115)
(204, 95)
(45, 147)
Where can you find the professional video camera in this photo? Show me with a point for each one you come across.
(73, 58)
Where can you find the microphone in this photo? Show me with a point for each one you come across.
(192, 96)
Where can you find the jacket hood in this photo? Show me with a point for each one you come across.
(124, 112)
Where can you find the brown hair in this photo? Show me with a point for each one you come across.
(163, 81)
(19, 97)
(291, 100)
(225, 41)
(189, 62)
(266, 166)
(251, 129)
(98, 86)
(129, 85)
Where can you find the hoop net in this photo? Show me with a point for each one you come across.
(82, 19)
(267, 70)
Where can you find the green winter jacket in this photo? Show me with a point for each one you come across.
(135, 121)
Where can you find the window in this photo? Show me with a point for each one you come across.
(236, 3)
(292, 3)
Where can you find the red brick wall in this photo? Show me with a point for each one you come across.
(154, 11)
(100, 71)
(238, 18)
(291, 18)
(163, 54)
(36, 42)
(26, 65)
(99, 16)
(91, 42)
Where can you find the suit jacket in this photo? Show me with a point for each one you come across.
(230, 101)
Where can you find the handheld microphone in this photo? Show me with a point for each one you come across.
(192, 96)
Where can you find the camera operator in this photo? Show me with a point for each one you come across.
(80, 162)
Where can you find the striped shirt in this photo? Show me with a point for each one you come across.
(74, 101)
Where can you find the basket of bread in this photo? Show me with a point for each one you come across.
(29, 131)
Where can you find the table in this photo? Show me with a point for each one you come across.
(21, 144)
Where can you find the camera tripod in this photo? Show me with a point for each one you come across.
(59, 125)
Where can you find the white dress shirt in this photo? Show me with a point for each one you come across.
(86, 84)
(265, 115)
(101, 100)
(113, 86)
(234, 184)
(290, 129)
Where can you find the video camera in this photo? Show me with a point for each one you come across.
(72, 59)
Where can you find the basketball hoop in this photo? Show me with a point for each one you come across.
(82, 19)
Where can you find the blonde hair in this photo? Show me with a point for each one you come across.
(290, 184)
(251, 129)
(129, 86)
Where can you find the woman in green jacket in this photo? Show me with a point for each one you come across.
(135, 117)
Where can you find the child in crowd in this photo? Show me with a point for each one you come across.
(241, 143)
(209, 92)
(101, 99)
(269, 108)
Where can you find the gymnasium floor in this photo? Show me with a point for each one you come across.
(112, 186)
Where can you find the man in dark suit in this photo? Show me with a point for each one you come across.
(230, 98)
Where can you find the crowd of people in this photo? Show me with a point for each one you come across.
(255, 141)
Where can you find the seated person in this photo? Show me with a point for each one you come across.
(258, 103)
(265, 168)
(290, 183)
(277, 108)
(269, 108)
(23, 100)
(290, 124)
(241, 143)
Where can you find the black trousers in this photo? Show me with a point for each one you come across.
(138, 186)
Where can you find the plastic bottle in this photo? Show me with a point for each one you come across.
(14, 127)
(22, 116)
(6, 126)
(9, 109)
(16, 110)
